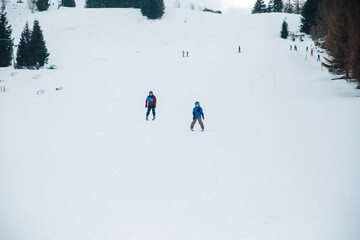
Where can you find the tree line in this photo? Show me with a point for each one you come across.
(31, 50)
(287, 6)
(152, 9)
(335, 26)
(43, 5)
(32, 47)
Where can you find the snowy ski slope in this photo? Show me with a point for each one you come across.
(279, 158)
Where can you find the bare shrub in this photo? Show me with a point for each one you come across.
(177, 4)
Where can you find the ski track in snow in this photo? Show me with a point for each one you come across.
(279, 158)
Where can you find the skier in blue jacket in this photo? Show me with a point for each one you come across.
(150, 104)
(197, 114)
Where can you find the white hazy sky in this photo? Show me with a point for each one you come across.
(238, 3)
(218, 4)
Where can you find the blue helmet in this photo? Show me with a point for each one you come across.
(197, 103)
(151, 92)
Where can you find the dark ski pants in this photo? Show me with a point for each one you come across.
(200, 122)
(149, 109)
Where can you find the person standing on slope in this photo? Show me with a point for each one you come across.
(150, 104)
(197, 114)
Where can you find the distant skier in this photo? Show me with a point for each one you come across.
(290, 47)
(150, 104)
(187, 53)
(307, 48)
(183, 53)
(295, 48)
(312, 52)
(239, 49)
(37, 66)
(197, 114)
(318, 58)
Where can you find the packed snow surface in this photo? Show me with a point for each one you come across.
(279, 158)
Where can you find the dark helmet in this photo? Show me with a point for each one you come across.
(151, 92)
(197, 103)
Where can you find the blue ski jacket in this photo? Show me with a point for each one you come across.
(150, 101)
(198, 112)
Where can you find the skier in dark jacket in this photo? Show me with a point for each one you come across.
(197, 114)
(150, 104)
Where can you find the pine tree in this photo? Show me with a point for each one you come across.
(94, 3)
(288, 7)
(297, 7)
(284, 30)
(270, 7)
(337, 41)
(6, 44)
(259, 7)
(23, 58)
(153, 9)
(68, 3)
(337, 30)
(38, 50)
(320, 30)
(278, 5)
(42, 5)
(354, 26)
(309, 16)
(113, 3)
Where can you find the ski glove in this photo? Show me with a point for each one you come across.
(145, 106)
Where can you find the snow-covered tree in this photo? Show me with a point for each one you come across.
(297, 6)
(31, 5)
(177, 4)
(278, 5)
(270, 7)
(288, 7)
(3, 5)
